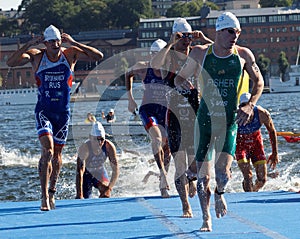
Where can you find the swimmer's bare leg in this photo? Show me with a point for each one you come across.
(204, 194)
(181, 184)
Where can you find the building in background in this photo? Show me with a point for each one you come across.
(265, 31)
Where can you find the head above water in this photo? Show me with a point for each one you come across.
(157, 45)
(227, 20)
(181, 25)
(98, 130)
(52, 33)
(245, 97)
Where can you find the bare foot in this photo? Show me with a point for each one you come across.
(192, 189)
(187, 213)
(206, 225)
(45, 204)
(51, 200)
(220, 206)
(164, 193)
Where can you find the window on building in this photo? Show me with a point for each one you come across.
(258, 19)
(18, 74)
(294, 17)
(243, 20)
(278, 18)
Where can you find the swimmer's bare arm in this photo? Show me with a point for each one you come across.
(192, 65)
(25, 55)
(248, 60)
(81, 158)
(112, 156)
(266, 120)
(162, 59)
(198, 35)
(80, 51)
(140, 69)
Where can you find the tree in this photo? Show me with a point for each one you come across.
(39, 14)
(94, 13)
(283, 65)
(263, 64)
(189, 9)
(126, 13)
(9, 27)
(120, 69)
(275, 3)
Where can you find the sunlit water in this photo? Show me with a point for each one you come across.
(20, 152)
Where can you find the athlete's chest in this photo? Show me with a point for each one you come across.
(229, 67)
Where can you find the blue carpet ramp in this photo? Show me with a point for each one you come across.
(251, 215)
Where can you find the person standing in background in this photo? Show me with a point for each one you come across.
(250, 148)
(182, 107)
(54, 71)
(110, 117)
(221, 66)
(90, 118)
(153, 111)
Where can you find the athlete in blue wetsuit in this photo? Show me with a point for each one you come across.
(91, 171)
(153, 111)
(54, 70)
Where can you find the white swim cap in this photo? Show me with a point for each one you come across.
(97, 130)
(112, 111)
(244, 98)
(51, 33)
(157, 45)
(181, 25)
(227, 20)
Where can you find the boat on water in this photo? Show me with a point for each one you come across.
(291, 85)
(119, 92)
(122, 128)
(23, 96)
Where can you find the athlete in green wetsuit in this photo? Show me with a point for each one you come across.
(222, 65)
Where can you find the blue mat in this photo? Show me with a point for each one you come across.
(251, 215)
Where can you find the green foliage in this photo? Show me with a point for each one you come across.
(8, 27)
(275, 3)
(189, 9)
(126, 13)
(73, 16)
(263, 64)
(283, 64)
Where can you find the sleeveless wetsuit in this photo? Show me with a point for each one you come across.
(95, 173)
(52, 111)
(181, 113)
(249, 142)
(153, 107)
(220, 78)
